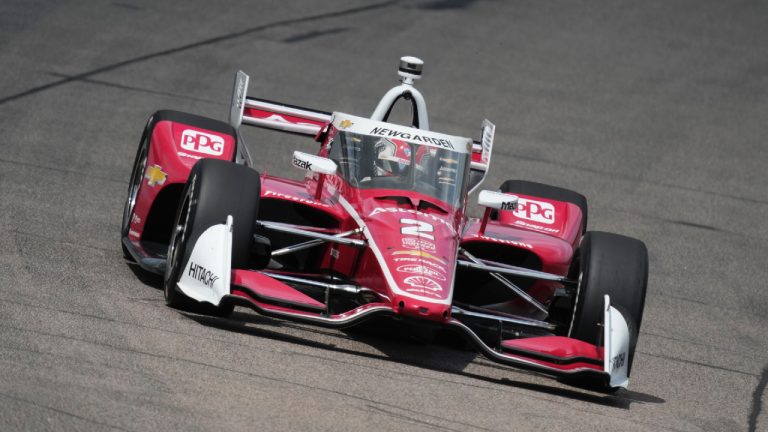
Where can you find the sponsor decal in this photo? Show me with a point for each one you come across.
(201, 142)
(280, 119)
(536, 227)
(294, 198)
(133, 233)
(421, 261)
(187, 155)
(423, 282)
(505, 241)
(414, 243)
(421, 270)
(537, 211)
(302, 163)
(334, 253)
(618, 360)
(345, 123)
(417, 228)
(508, 205)
(135, 219)
(419, 253)
(201, 274)
(155, 175)
(411, 137)
(434, 218)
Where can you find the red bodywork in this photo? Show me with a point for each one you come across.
(410, 263)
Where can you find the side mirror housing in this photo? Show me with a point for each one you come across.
(317, 164)
(497, 200)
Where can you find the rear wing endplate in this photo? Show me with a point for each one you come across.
(238, 99)
(481, 155)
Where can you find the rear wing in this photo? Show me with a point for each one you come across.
(273, 115)
(305, 121)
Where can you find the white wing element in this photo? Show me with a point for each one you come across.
(489, 130)
(616, 353)
(207, 274)
(239, 90)
(484, 147)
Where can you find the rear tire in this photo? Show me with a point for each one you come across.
(214, 190)
(615, 265)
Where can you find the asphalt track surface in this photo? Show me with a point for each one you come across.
(655, 110)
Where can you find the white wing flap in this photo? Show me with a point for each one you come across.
(206, 276)
(616, 350)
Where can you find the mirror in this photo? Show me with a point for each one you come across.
(497, 200)
(314, 163)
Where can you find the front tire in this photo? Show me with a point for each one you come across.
(134, 184)
(615, 265)
(215, 189)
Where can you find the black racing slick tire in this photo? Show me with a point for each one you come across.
(546, 191)
(214, 190)
(615, 265)
(134, 184)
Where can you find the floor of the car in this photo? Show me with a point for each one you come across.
(155, 249)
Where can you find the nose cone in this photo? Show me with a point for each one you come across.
(410, 307)
(421, 273)
(418, 252)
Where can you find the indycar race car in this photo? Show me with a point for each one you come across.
(378, 228)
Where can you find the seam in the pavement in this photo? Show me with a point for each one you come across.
(139, 89)
(243, 373)
(61, 241)
(62, 170)
(691, 362)
(193, 45)
(60, 411)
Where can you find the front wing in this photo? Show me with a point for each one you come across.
(267, 294)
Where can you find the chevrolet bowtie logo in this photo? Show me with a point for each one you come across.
(345, 124)
(155, 175)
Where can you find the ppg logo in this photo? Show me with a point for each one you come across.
(200, 142)
(537, 211)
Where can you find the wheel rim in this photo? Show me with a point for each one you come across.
(178, 237)
(133, 188)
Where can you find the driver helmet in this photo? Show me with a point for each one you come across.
(393, 157)
(424, 160)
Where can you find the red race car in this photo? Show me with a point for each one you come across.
(378, 228)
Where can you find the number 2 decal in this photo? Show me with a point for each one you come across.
(417, 228)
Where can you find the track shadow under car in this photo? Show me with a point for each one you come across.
(396, 345)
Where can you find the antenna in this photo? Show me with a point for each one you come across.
(410, 69)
